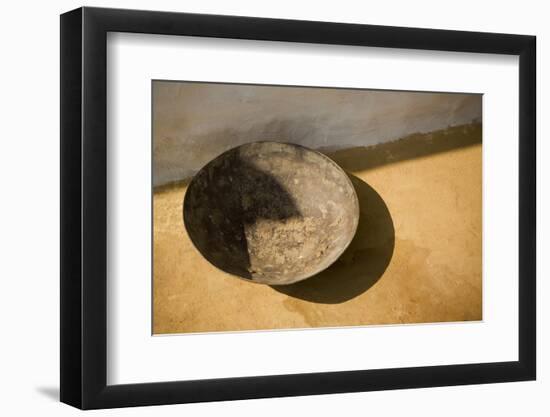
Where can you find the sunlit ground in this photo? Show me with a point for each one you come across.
(416, 256)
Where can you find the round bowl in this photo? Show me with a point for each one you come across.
(271, 213)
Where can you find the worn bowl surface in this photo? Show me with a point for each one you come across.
(272, 213)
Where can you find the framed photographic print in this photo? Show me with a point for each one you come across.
(257, 207)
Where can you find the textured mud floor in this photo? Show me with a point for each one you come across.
(416, 256)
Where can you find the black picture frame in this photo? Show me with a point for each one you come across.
(84, 207)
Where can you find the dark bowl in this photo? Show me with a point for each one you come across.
(271, 213)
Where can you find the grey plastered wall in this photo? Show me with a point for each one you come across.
(194, 122)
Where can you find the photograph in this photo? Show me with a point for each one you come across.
(275, 209)
(292, 207)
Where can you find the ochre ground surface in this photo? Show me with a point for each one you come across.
(416, 256)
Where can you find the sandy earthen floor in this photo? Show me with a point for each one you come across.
(416, 256)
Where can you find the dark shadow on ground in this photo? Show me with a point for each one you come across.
(363, 262)
(414, 146)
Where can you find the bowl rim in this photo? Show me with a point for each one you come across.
(338, 254)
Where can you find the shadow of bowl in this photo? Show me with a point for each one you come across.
(363, 262)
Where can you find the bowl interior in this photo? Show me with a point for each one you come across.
(270, 212)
